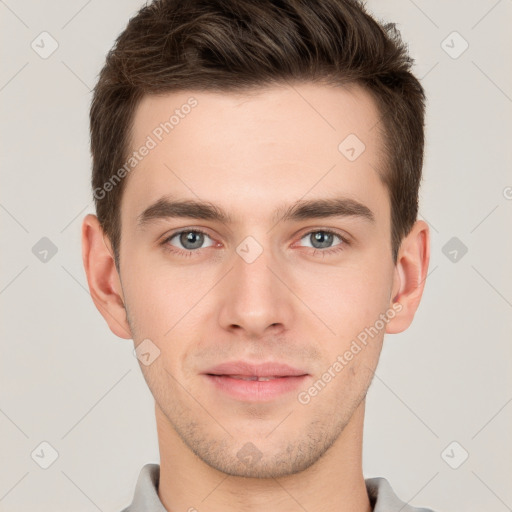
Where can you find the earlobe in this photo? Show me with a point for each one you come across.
(102, 277)
(410, 274)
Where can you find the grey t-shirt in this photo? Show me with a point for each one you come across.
(145, 499)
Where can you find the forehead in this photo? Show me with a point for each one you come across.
(251, 151)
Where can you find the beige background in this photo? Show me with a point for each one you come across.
(66, 380)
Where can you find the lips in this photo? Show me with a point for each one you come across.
(248, 382)
(253, 377)
(248, 371)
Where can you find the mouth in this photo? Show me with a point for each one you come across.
(250, 371)
(251, 377)
(248, 382)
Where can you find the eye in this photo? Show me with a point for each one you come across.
(188, 240)
(322, 239)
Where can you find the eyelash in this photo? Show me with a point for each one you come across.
(188, 253)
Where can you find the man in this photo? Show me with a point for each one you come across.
(256, 167)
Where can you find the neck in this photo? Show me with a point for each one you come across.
(334, 483)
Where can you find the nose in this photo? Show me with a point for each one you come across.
(256, 300)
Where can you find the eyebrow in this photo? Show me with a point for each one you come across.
(166, 207)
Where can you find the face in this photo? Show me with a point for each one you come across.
(273, 287)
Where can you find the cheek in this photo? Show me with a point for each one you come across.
(154, 299)
(164, 306)
(348, 297)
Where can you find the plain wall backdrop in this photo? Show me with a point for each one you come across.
(442, 390)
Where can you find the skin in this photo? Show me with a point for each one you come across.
(250, 154)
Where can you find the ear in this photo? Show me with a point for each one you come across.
(409, 279)
(102, 277)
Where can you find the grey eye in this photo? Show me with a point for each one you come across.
(321, 239)
(190, 240)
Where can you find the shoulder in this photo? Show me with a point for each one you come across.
(383, 498)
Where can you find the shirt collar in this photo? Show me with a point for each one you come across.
(145, 499)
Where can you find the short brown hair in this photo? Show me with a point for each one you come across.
(236, 45)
